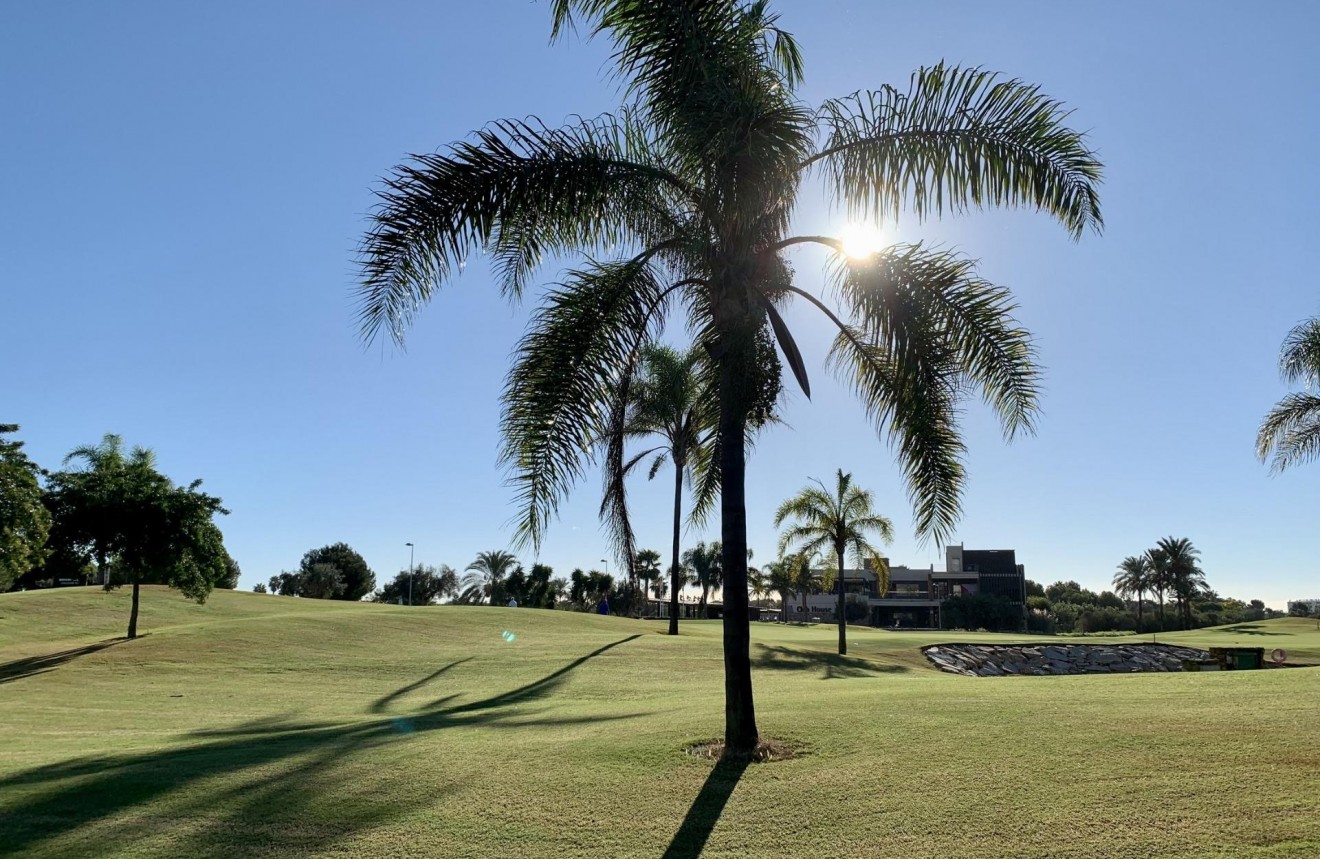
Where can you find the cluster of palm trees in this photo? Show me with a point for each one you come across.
(1169, 570)
(681, 205)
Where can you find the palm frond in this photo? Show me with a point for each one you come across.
(1290, 433)
(906, 295)
(1300, 358)
(916, 404)
(810, 505)
(563, 388)
(879, 524)
(809, 541)
(959, 138)
(521, 190)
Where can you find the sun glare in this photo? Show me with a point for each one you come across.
(861, 240)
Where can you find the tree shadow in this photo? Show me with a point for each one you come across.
(34, 665)
(1247, 629)
(832, 666)
(705, 811)
(382, 703)
(282, 765)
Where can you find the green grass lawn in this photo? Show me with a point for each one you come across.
(267, 726)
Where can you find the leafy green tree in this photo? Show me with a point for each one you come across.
(1133, 580)
(258, 588)
(286, 584)
(320, 582)
(706, 566)
(87, 504)
(836, 521)
(24, 519)
(140, 526)
(485, 576)
(694, 183)
(232, 574)
(427, 585)
(356, 578)
(1185, 577)
(1290, 432)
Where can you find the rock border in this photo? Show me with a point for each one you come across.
(1056, 658)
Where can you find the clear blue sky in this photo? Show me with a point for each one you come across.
(183, 186)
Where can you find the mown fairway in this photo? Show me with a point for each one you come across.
(268, 726)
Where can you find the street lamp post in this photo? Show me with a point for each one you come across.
(411, 550)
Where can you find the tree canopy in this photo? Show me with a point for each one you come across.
(140, 526)
(24, 519)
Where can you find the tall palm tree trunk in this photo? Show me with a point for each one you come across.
(843, 620)
(1139, 605)
(740, 735)
(133, 615)
(673, 570)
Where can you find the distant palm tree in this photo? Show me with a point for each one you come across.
(1291, 431)
(838, 521)
(705, 565)
(787, 576)
(1133, 579)
(647, 565)
(674, 400)
(1159, 578)
(686, 198)
(756, 583)
(486, 573)
(1186, 579)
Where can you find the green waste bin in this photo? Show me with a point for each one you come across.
(1247, 659)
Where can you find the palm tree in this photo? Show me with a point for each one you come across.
(1159, 579)
(1132, 579)
(673, 400)
(706, 564)
(1185, 577)
(486, 573)
(1291, 431)
(840, 520)
(647, 565)
(106, 466)
(756, 583)
(682, 204)
(787, 576)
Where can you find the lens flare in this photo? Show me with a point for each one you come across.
(508, 636)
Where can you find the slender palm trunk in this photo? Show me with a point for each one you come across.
(1160, 594)
(1139, 604)
(843, 620)
(740, 735)
(133, 615)
(674, 570)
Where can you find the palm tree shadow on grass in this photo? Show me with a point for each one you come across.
(832, 666)
(1247, 629)
(286, 766)
(705, 811)
(34, 665)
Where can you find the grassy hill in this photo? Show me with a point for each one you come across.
(267, 726)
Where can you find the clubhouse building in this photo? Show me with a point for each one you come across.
(914, 596)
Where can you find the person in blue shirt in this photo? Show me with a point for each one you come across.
(604, 607)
